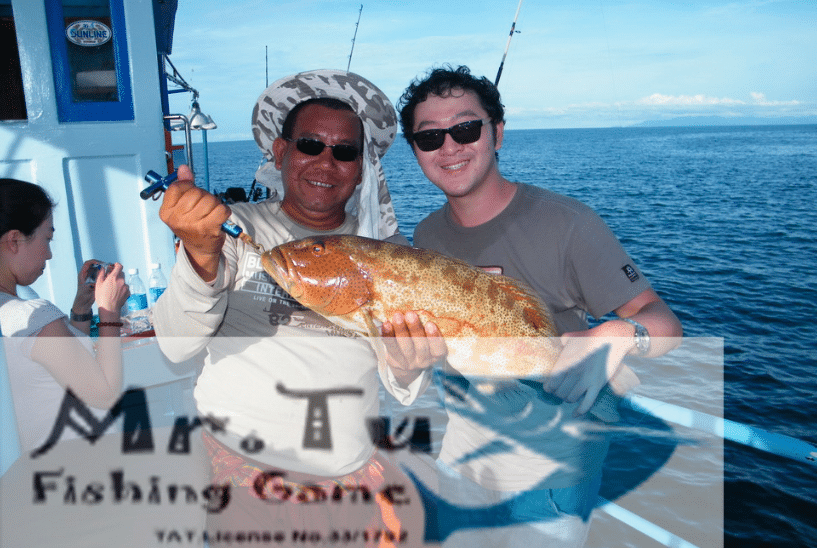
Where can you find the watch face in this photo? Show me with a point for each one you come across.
(641, 335)
(642, 339)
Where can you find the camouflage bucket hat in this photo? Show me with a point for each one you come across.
(379, 127)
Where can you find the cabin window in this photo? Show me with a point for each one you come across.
(90, 59)
(12, 98)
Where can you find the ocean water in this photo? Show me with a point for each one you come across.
(722, 221)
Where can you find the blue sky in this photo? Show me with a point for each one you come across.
(589, 64)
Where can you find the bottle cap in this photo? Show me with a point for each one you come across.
(133, 271)
(155, 266)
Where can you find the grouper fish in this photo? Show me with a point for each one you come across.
(493, 325)
(358, 283)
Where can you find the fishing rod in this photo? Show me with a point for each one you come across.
(359, 13)
(508, 45)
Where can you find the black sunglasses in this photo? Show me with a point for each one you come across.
(313, 147)
(464, 133)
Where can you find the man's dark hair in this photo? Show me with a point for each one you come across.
(441, 81)
(328, 102)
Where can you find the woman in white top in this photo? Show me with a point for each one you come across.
(45, 353)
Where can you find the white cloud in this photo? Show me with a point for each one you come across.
(760, 99)
(700, 99)
(653, 107)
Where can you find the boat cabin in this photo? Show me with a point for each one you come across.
(83, 114)
(84, 97)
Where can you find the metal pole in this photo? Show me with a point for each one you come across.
(508, 45)
(646, 527)
(188, 139)
(206, 161)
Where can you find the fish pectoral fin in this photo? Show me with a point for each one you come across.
(374, 331)
(348, 298)
(375, 339)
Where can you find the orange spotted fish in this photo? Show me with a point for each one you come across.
(493, 325)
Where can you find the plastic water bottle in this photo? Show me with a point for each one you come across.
(156, 283)
(138, 319)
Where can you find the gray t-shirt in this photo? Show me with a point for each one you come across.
(557, 245)
(568, 255)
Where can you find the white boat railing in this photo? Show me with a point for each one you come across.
(642, 525)
(744, 434)
(777, 444)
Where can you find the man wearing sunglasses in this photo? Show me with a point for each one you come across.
(540, 490)
(293, 391)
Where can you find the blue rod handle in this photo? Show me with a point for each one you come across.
(231, 228)
(157, 184)
(160, 184)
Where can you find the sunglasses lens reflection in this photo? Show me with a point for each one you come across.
(310, 146)
(313, 147)
(345, 153)
(464, 133)
(429, 140)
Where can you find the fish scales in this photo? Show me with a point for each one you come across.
(493, 325)
(483, 304)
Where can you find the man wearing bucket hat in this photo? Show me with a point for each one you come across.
(291, 404)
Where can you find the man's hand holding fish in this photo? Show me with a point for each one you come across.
(584, 367)
(411, 346)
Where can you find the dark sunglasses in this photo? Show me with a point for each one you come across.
(464, 133)
(313, 147)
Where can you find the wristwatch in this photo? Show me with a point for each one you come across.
(642, 337)
(87, 317)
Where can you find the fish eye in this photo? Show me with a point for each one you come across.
(318, 248)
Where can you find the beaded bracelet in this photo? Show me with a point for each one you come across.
(110, 324)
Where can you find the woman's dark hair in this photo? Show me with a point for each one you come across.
(23, 206)
(441, 81)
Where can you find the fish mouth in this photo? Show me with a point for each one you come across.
(276, 265)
